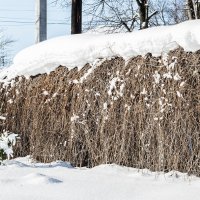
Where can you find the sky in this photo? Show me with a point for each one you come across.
(17, 22)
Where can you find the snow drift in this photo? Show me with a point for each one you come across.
(77, 50)
(23, 179)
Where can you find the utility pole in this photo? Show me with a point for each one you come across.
(76, 18)
(41, 20)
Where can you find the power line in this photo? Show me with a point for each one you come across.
(20, 22)
(26, 22)
(20, 18)
(15, 25)
(9, 10)
(30, 22)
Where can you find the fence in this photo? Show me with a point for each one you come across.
(144, 113)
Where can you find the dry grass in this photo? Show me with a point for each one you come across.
(138, 123)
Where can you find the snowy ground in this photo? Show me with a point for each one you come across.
(22, 179)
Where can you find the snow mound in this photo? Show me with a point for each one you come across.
(77, 50)
(28, 162)
(15, 163)
(55, 164)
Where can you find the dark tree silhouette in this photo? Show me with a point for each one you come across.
(76, 17)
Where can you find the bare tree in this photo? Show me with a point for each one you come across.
(193, 9)
(5, 43)
(169, 12)
(123, 14)
(111, 15)
(127, 15)
(143, 6)
(76, 13)
(114, 14)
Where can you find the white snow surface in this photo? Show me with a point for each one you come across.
(21, 179)
(77, 50)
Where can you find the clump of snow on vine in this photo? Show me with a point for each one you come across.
(7, 141)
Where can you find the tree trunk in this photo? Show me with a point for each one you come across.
(198, 9)
(143, 12)
(192, 9)
(76, 17)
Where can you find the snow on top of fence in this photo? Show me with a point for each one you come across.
(77, 50)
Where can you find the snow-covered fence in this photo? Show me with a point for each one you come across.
(144, 113)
